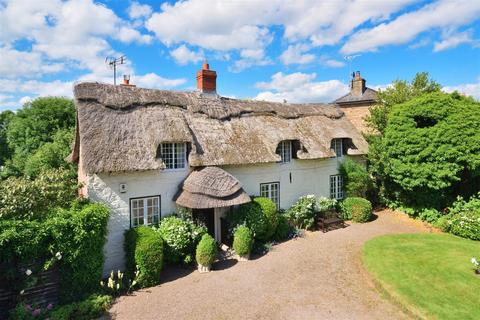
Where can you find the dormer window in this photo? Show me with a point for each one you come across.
(173, 154)
(284, 149)
(337, 147)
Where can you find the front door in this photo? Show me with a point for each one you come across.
(205, 217)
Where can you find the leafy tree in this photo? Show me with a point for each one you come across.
(431, 150)
(5, 151)
(356, 178)
(35, 124)
(400, 92)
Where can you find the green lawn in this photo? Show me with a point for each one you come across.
(430, 274)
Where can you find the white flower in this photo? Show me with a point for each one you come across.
(58, 255)
(28, 272)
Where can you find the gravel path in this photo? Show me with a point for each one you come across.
(319, 276)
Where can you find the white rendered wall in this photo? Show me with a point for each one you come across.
(307, 177)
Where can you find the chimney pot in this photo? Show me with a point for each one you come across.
(207, 79)
(358, 85)
(358, 75)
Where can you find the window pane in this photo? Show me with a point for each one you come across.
(145, 211)
(179, 155)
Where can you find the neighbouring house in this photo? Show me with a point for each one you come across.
(143, 152)
(357, 102)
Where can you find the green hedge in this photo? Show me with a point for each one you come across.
(71, 239)
(206, 251)
(144, 251)
(356, 209)
(242, 241)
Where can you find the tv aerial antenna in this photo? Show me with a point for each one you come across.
(113, 62)
(349, 59)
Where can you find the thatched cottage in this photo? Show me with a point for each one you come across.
(144, 152)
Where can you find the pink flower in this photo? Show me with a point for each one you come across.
(28, 307)
(36, 312)
(50, 306)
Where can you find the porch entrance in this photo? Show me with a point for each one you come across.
(205, 217)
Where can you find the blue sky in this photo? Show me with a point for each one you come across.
(270, 50)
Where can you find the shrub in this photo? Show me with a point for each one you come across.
(326, 204)
(206, 250)
(465, 224)
(181, 237)
(22, 198)
(356, 178)
(144, 250)
(284, 229)
(302, 213)
(356, 209)
(90, 308)
(259, 215)
(242, 241)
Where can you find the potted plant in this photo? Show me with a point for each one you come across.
(242, 243)
(206, 253)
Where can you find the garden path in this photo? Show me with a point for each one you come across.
(319, 276)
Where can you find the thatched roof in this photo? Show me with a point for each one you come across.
(211, 187)
(119, 128)
(368, 96)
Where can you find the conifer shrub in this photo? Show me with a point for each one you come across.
(242, 241)
(206, 250)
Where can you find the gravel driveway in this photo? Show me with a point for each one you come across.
(319, 276)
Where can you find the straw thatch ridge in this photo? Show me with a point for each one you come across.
(119, 128)
(210, 187)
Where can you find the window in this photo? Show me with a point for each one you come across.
(173, 155)
(284, 149)
(336, 187)
(271, 191)
(337, 147)
(144, 211)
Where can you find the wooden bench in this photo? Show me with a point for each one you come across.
(329, 218)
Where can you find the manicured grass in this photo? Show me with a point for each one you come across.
(430, 274)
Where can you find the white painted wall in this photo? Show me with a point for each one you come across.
(308, 177)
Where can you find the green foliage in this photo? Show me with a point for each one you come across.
(242, 241)
(77, 236)
(356, 209)
(284, 229)
(5, 152)
(356, 179)
(144, 249)
(326, 204)
(36, 124)
(302, 213)
(206, 250)
(431, 150)
(463, 218)
(399, 92)
(22, 198)
(181, 237)
(91, 308)
(260, 216)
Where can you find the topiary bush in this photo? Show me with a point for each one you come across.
(356, 209)
(181, 238)
(144, 251)
(206, 250)
(260, 216)
(302, 213)
(242, 241)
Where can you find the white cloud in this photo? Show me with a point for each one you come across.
(331, 63)
(249, 58)
(469, 89)
(295, 54)
(24, 100)
(452, 39)
(440, 14)
(154, 81)
(16, 63)
(137, 10)
(39, 88)
(300, 87)
(128, 35)
(183, 55)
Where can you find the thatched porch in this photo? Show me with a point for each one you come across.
(210, 192)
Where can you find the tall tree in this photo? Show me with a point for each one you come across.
(5, 152)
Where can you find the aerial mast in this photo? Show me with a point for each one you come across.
(113, 62)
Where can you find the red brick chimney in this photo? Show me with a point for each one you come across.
(206, 79)
(358, 85)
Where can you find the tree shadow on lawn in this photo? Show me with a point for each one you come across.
(174, 272)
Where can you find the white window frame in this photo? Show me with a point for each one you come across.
(284, 149)
(337, 147)
(336, 187)
(141, 209)
(174, 155)
(271, 190)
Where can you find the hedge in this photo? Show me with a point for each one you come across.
(206, 251)
(144, 251)
(242, 241)
(356, 209)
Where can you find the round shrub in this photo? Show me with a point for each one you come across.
(270, 212)
(144, 251)
(253, 216)
(284, 229)
(206, 250)
(242, 241)
(181, 237)
(356, 209)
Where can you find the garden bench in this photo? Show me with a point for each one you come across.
(329, 218)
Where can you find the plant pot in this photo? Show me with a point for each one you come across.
(244, 257)
(203, 269)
